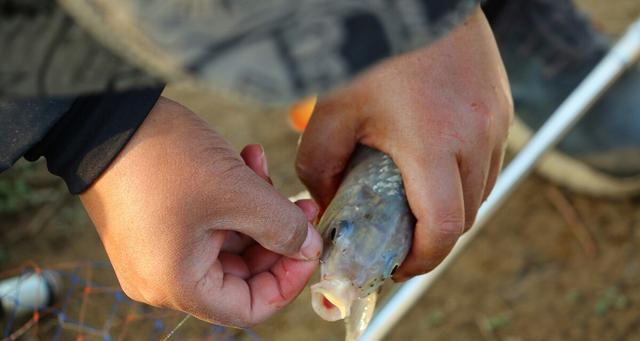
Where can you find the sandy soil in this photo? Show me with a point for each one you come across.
(526, 277)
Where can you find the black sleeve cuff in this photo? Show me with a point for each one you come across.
(92, 132)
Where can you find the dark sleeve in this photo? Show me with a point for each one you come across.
(78, 137)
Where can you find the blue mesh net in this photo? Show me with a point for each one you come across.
(88, 304)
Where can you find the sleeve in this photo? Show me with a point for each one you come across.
(46, 54)
(270, 51)
(79, 137)
(274, 51)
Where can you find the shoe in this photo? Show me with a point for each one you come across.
(548, 48)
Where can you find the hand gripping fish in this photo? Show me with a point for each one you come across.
(367, 231)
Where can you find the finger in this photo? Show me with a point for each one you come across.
(219, 298)
(434, 191)
(255, 158)
(309, 207)
(236, 242)
(233, 264)
(259, 259)
(321, 160)
(474, 170)
(285, 239)
(278, 225)
(256, 257)
(497, 159)
(312, 247)
(257, 210)
(272, 290)
(227, 299)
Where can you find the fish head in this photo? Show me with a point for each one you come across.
(360, 251)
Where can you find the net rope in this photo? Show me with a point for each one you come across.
(90, 305)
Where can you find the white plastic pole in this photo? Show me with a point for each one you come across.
(621, 57)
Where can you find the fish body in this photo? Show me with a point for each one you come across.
(367, 231)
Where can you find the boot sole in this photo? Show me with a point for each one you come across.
(571, 173)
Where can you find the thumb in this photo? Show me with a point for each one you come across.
(321, 160)
(277, 224)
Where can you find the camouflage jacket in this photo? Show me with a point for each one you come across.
(275, 50)
(78, 77)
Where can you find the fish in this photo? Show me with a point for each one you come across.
(367, 232)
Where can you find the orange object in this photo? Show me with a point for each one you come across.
(300, 113)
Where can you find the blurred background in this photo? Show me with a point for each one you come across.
(550, 265)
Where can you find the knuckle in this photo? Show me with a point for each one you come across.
(485, 125)
(448, 225)
(229, 168)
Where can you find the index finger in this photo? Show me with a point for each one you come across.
(227, 299)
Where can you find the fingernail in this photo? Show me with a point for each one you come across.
(263, 162)
(312, 246)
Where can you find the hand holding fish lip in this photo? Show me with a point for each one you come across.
(442, 114)
(181, 214)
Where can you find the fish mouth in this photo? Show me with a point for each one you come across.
(331, 299)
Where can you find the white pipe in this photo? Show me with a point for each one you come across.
(621, 57)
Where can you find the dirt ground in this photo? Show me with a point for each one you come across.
(526, 277)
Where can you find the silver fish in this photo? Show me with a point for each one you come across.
(367, 231)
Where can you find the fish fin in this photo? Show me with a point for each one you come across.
(360, 316)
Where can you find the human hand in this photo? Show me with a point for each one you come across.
(190, 225)
(441, 113)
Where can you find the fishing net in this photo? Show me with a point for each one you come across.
(82, 301)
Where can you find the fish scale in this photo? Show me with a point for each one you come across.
(367, 230)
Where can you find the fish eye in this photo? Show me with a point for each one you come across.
(332, 234)
(343, 228)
